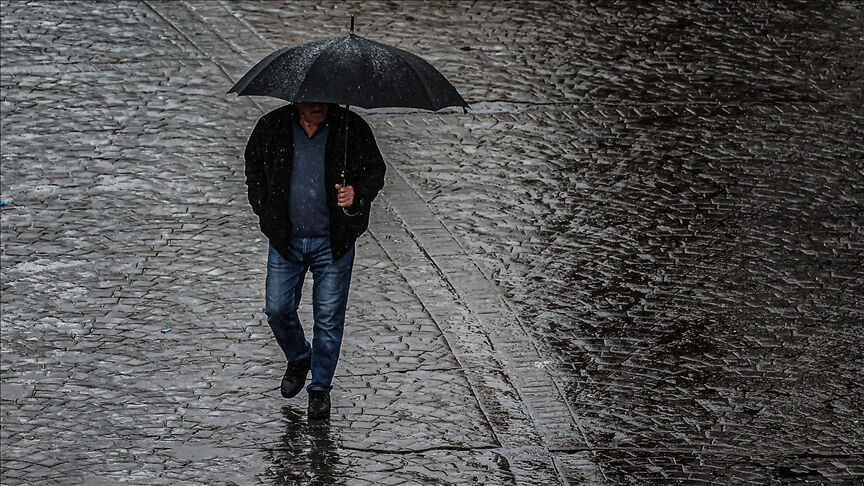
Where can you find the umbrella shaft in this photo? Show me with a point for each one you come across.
(345, 161)
(345, 151)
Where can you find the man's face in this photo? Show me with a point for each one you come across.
(312, 113)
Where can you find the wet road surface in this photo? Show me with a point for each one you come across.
(636, 260)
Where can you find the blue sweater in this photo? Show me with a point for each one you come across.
(308, 200)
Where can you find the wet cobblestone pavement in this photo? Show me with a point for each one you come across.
(636, 260)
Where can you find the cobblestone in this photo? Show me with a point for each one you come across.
(636, 260)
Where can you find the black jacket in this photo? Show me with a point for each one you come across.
(269, 156)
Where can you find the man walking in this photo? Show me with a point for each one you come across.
(295, 168)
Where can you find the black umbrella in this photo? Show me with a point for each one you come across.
(350, 70)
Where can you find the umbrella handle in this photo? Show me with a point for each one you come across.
(345, 153)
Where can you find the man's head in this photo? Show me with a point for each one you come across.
(312, 113)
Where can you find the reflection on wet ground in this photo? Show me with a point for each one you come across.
(697, 280)
(684, 241)
(308, 452)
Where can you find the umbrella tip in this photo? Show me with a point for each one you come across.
(352, 24)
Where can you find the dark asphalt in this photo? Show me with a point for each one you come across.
(636, 260)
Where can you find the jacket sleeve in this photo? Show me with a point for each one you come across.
(255, 178)
(369, 178)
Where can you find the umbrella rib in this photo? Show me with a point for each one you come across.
(249, 77)
(419, 78)
(324, 49)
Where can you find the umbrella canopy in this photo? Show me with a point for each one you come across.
(350, 70)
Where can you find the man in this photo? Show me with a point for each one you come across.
(295, 160)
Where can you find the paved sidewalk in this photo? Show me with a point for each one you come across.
(637, 260)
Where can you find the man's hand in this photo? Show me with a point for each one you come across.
(345, 196)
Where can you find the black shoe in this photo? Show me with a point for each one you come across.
(319, 404)
(295, 377)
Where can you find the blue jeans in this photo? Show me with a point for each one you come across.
(285, 274)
